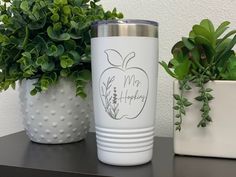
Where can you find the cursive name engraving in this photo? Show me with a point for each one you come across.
(126, 96)
(131, 80)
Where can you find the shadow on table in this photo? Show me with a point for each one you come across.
(72, 158)
(161, 165)
(137, 171)
(188, 166)
(82, 157)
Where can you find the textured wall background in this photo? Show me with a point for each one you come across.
(175, 18)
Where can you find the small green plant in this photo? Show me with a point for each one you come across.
(206, 54)
(47, 39)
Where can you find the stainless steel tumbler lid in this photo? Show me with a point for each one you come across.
(140, 28)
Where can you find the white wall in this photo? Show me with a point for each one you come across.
(175, 19)
(10, 115)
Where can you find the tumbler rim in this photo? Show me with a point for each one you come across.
(125, 21)
(129, 28)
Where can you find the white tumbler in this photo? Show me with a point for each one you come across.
(124, 72)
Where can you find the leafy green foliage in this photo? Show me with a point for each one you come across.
(181, 103)
(206, 54)
(46, 40)
(205, 97)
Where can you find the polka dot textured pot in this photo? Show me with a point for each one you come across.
(56, 116)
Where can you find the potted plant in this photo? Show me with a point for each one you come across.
(204, 66)
(45, 44)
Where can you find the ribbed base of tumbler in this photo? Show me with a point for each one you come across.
(125, 147)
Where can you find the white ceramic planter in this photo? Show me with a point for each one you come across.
(217, 139)
(56, 116)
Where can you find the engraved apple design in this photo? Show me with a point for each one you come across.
(123, 89)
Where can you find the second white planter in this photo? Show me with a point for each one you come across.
(217, 139)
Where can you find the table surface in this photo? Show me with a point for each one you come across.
(20, 157)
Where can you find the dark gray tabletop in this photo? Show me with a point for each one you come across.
(21, 158)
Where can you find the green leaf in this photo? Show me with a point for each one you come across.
(74, 25)
(13, 85)
(187, 43)
(182, 111)
(178, 128)
(4, 18)
(65, 72)
(27, 55)
(60, 51)
(177, 123)
(47, 67)
(60, 2)
(209, 97)
(221, 29)
(207, 24)
(33, 92)
(231, 44)
(55, 17)
(192, 35)
(201, 40)
(177, 115)
(176, 108)
(226, 36)
(202, 124)
(75, 36)
(206, 108)
(53, 35)
(209, 90)
(57, 27)
(24, 6)
(41, 39)
(229, 71)
(226, 54)
(70, 45)
(66, 61)
(176, 97)
(36, 25)
(85, 75)
(208, 118)
(224, 57)
(64, 37)
(199, 98)
(54, 50)
(66, 10)
(44, 84)
(201, 31)
(120, 15)
(75, 55)
(165, 66)
(179, 45)
(41, 60)
(187, 104)
(222, 46)
(182, 69)
(81, 94)
(187, 87)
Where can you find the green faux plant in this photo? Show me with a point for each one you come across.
(206, 54)
(46, 40)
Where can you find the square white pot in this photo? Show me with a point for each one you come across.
(218, 138)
